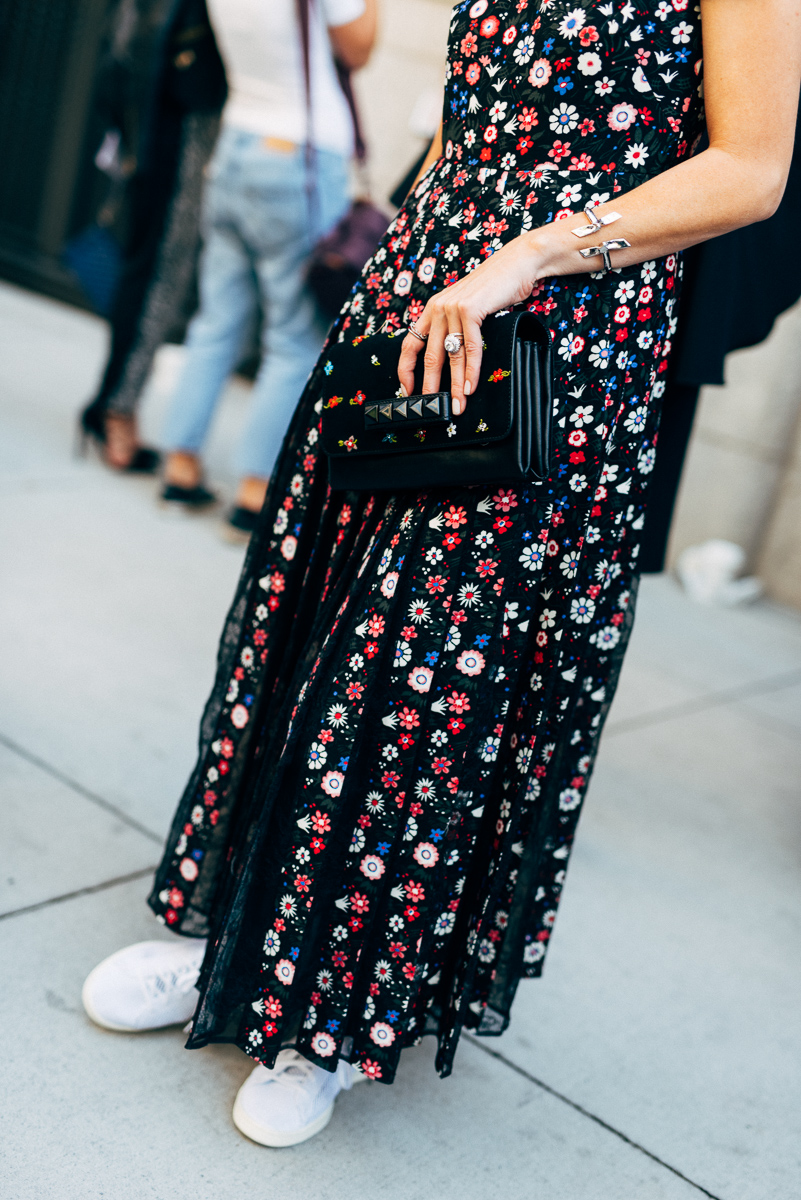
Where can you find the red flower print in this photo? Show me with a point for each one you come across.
(321, 822)
(441, 766)
(339, 958)
(489, 27)
(347, 979)
(397, 949)
(317, 844)
(458, 702)
(411, 913)
(559, 150)
(509, 35)
(415, 808)
(409, 970)
(451, 541)
(176, 898)
(455, 517)
(405, 741)
(359, 902)
(408, 718)
(414, 891)
(505, 500)
(371, 1069)
(302, 883)
(458, 616)
(375, 625)
(502, 524)
(390, 779)
(524, 145)
(269, 1028)
(469, 44)
(472, 74)
(588, 35)
(437, 582)
(371, 649)
(272, 1007)
(325, 735)
(455, 724)
(354, 691)
(486, 567)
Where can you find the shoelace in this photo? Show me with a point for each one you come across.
(162, 984)
(297, 1070)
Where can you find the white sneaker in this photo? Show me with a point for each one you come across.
(145, 986)
(291, 1102)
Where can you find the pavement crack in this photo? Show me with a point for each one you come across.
(591, 1116)
(670, 712)
(76, 895)
(75, 786)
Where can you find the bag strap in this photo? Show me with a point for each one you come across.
(344, 75)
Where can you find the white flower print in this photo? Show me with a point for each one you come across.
(272, 943)
(498, 111)
(581, 415)
(302, 855)
(606, 638)
(625, 290)
(681, 33)
(524, 50)
(410, 830)
(337, 715)
(318, 755)
(646, 461)
(470, 596)
(589, 63)
(601, 354)
(485, 537)
(636, 154)
(419, 612)
(357, 840)
(563, 118)
(604, 86)
(572, 23)
(453, 639)
(510, 610)
(582, 610)
(403, 653)
(569, 799)
(635, 421)
(339, 933)
(488, 749)
(578, 482)
(532, 557)
(439, 737)
(570, 194)
(648, 271)
(523, 759)
(486, 950)
(389, 752)
(444, 924)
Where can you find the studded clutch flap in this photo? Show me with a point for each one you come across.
(377, 440)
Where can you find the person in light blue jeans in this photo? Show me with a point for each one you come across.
(264, 210)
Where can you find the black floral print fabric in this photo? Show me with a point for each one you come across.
(411, 688)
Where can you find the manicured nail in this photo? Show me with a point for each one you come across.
(468, 387)
(403, 390)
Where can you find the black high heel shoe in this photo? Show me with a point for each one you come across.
(92, 429)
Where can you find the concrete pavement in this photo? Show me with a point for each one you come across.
(657, 1058)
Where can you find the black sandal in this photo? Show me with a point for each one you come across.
(92, 429)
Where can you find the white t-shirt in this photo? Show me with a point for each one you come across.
(260, 44)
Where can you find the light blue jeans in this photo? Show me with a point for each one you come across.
(258, 230)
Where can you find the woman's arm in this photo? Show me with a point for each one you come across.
(752, 68)
(353, 43)
(434, 152)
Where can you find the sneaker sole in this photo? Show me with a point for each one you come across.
(277, 1137)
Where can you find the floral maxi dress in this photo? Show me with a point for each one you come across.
(411, 687)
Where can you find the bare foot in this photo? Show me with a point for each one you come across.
(252, 491)
(122, 441)
(183, 469)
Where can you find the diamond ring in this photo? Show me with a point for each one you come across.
(453, 343)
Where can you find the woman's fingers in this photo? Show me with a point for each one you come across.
(410, 349)
(434, 356)
(473, 352)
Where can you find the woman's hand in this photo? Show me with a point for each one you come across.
(504, 279)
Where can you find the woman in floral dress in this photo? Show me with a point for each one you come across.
(411, 687)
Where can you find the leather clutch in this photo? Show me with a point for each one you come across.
(376, 439)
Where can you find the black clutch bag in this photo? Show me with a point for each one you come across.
(377, 440)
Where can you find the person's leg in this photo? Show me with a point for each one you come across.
(292, 331)
(217, 333)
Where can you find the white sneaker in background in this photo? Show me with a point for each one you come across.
(291, 1102)
(145, 986)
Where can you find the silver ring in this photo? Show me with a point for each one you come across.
(453, 343)
(423, 337)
